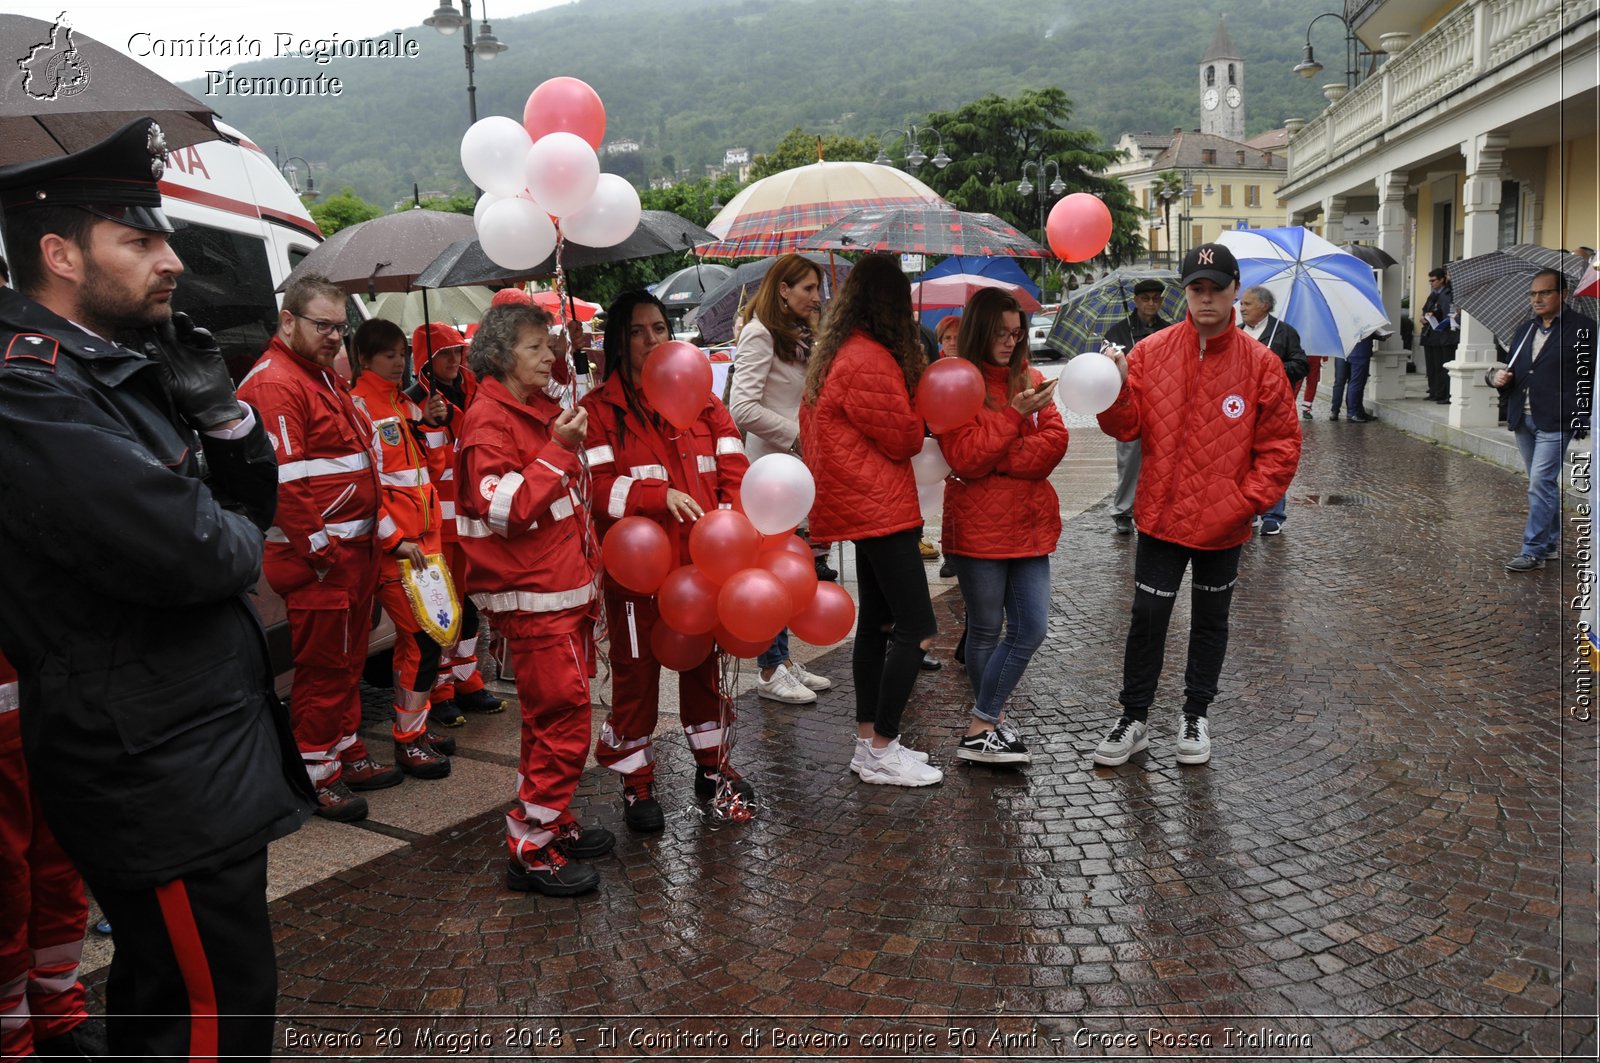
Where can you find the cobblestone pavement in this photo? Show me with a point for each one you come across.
(1392, 852)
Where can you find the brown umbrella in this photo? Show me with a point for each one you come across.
(61, 92)
(384, 254)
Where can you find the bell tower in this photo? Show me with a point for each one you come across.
(1222, 87)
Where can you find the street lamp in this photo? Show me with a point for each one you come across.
(915, 156)
(1308, 67)
(1168, 194)
(485, 46)
(292, 173)
(1055, 188)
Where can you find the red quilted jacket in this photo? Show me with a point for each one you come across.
(1219, 430)
(858, 441)
(999, 502)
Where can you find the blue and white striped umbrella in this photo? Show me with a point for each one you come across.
(1330, 296)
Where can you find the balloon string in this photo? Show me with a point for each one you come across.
(585, 479)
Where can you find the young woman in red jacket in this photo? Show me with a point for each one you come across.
(643, 466)
(1002, 517)
(859, 432)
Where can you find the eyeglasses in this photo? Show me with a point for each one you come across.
(325, 328)
(1009, 334)
(1537, 292)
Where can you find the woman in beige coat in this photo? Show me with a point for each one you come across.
(769, 374)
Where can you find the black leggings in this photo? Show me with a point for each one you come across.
(1157, 575)
(896, 613)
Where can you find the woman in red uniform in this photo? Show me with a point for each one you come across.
(526, 533)
(644, 466)
(408, 530)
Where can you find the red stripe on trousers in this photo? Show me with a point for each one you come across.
(195, 968)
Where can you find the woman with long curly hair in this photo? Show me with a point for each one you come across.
(1002, 517)
(860, 432)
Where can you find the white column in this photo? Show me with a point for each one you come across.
(1333, 219)
(1472, 402)
(1389, 357)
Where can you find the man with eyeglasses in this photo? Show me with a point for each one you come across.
(322, 553)
(1549, 379)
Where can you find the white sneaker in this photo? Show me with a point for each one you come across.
(1194, 741)
(784, 687)
(810, 680)
(894, 765)
(864, 749)
(1125, 739)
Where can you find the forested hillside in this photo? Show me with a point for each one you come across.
(691, 78)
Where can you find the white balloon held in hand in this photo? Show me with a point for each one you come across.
(1090, 383)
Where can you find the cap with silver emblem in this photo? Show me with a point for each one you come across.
(115, 179)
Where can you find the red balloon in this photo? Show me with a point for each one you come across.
(737, 647)
(950, 393)
(777, 539)
(799, 574)
(565, 105)
(1079, 227)
(754, 605)
(677, 651)
(723, 542)
(828, 618)
(687, 601)
(637, 554)
(677, 381)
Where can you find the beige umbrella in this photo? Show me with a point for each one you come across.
(776, 214)
(454, 306)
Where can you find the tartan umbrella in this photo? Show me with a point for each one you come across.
(929, 230)
(1086, 313)
(955, 289)
(777, 213)
(1493, 287)
(1328, 295)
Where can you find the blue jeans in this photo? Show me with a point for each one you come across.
(1360, 361)
(1279, 511)
(777, 653)
(1014, 590)
(1341, 380)
(1542, 455)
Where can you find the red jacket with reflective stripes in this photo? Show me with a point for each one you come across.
(443, 440)
(522, 521)
(327, 475)
(408, 507)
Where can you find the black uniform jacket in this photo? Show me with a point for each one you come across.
(154, 741)
(1284, 341)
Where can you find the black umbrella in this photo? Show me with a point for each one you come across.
(62, 91)
(721, 304)
(384, 254)
(685, 288)
(660, 232)
(1371, 254)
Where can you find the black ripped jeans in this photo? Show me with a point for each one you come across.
(1157, 574)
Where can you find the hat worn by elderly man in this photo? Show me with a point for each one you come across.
(1212, 262)
(115, 179)
(1148, 285)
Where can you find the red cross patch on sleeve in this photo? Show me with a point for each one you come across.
(32, 347)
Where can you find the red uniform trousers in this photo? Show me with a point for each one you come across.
(458, 665)
(416, 655)
(626, 744)
(42, 909)
(553, 688)
(1311, 378)
(330, 622)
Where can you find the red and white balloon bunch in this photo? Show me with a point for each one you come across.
(750, 575)
(544, 173)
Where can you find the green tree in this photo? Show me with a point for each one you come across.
(799, 148)
(459, 203)
(342, 210)
(1168, 186)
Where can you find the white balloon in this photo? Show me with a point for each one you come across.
(1090, 383)
(930, 466)
(517, 234)
(485, 201)
(777, 493)
(561, 171)
(930, 499)
(610, 217)
(493, 151)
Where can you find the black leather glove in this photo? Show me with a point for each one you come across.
(195, 374)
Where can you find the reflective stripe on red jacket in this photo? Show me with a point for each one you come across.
(1219, 431)
(408, 507)
(999, 503)
(327, 478)
(522, 523)
(442, 441)
(634, 462)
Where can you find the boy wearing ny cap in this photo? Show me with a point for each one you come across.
(1221, 439)
(162, 760)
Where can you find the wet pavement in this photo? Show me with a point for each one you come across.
(1391, 853)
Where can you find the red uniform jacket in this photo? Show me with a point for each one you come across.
(327, 478)
(522, 523)
(858, 442)
(443, 441)
(1000, 503)
(408, 507)
(1219, 431)
(634, 462)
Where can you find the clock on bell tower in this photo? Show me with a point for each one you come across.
(1222, 87)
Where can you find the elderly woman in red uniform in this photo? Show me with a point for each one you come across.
(644, 466)
(526, 534)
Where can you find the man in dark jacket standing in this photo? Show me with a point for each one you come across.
(1550, 382)
(1256, 320)
(162, 760)
(1439, 333)
(1145, 320)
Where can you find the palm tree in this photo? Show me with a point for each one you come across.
(1168, 186)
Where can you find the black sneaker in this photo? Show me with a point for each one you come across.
(446, 714)
(640, 809)
(825, 571)
(480, 701)
(551, 874)
(1013, 740)
(990, 747)
(585, 843)
(706, 781)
